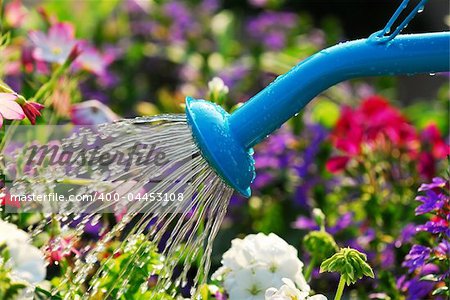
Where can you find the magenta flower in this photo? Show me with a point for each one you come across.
(56, 45)
(9, 108)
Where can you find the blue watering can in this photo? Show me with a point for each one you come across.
(226, 140)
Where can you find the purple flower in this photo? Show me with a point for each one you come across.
(443, 248)
(437, 182)
(317, 135)
(210, 6)
(430, 202)
(274, 154)
(388, 256)
(342, 223)
(182, 21)
(271, 28)
(303, 222)
(305, 168)
(233, 74)
(417, 257)
(417, 289)
(406, 235)
(262, 179)
(435, 226)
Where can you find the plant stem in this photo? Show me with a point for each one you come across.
(309, 269)
(340, 289)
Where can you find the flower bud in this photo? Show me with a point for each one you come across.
(320, 245)
(350, 263)
(217, 90)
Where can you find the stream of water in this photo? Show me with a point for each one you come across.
(183, 229)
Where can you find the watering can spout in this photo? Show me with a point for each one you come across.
(225, 140)
(289, 93)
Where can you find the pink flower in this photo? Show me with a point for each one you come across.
(58, 248)
(32, 110)
(9, 108)
(92, 60)
(55, 46)
(15, 13)
(92, 112)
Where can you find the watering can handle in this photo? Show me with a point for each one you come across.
(382, 37)
(376, 56)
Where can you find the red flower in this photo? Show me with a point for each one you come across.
(5, 200)
(32, 110)
(431, 135)
(337, 163)
(374, 124)
(434, 148)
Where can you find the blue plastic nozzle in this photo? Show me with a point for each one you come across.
(226, 140)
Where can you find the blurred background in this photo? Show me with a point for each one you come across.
(177, 47)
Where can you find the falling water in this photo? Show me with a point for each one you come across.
(183, 230)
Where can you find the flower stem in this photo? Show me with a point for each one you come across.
(309, 269)
(340, 289)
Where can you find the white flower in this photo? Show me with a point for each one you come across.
(290, 292)
(28, 263)
(258, 262)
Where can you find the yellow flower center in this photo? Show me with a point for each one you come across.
(56, 50)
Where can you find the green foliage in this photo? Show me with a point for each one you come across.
(140, 259)
(350, 263)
